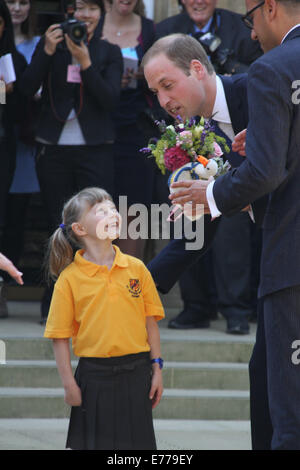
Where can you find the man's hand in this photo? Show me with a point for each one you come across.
(239, 143)
(8, 266)
(191, 191)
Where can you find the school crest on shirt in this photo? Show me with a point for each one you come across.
(134, 287)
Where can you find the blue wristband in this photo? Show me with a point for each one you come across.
(159, 361)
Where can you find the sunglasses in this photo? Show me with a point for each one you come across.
(248, 18)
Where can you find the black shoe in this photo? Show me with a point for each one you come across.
(187, 320)
(238, 329)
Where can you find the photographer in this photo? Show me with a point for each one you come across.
(80, 88)
(235, 52)
(81, 84)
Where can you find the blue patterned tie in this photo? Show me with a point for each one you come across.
(234, 158)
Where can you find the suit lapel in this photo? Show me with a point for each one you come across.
(233, 102)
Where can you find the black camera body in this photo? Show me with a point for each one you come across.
(76, 30)
(222, 58)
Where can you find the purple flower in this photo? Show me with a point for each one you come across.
(146, 150)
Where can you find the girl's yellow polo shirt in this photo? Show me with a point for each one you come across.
(104, 311)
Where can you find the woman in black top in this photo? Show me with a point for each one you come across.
(11, 111)
(80, 89)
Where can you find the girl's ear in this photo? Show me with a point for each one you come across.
(78, 229)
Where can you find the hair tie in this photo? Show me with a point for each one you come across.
(62, 226)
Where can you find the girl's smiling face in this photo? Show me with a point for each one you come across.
(103, 221)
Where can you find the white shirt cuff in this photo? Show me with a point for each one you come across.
(211, 201)
(251, 214)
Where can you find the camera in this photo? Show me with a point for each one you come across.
(222, 58)
(76, 30)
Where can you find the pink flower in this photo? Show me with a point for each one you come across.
(218, 150)
(175, 157)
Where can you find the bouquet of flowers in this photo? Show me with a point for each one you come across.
(189, 150)
(189, 143)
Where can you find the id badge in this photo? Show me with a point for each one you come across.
(73, 75)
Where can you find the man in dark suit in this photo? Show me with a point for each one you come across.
(232, 268)
(236, 51)
(204, 285)
(272, 167)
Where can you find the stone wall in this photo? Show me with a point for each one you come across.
(165, 8)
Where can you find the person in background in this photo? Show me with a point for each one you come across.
(81, 84)
(25, 181)
(9, 114)
(236, 51)
(106, 301)
(124, 24)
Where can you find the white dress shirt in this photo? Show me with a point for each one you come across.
(222, 116)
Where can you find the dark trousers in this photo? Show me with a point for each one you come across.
(7, 168)
(14, 230)
(275, 373)
(222, 275)
(64, 170)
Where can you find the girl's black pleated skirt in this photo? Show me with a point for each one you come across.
(116, 412)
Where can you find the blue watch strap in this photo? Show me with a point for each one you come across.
(159, 361)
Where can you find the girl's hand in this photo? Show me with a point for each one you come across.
(73, 395)
(79, 52)
(53, 37)
(156, 387)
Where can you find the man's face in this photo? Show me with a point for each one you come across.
(177, 93)
(261, 27)
(200, 11)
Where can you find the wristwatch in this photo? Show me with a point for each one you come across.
(159, 361)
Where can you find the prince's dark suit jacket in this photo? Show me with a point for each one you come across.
(167, 267)
(272, 165)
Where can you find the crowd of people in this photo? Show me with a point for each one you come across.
(65, 134)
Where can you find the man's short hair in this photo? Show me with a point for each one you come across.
(180, 49)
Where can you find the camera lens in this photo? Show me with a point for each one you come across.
(78, 32)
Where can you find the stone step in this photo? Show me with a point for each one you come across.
(222, 376)
(175, 435)
(176, 346)
(175, 404)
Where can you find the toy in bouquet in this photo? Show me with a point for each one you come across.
(190, 150)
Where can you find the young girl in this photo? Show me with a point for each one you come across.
(107, 302)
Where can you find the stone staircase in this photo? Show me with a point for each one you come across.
(205, 374)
